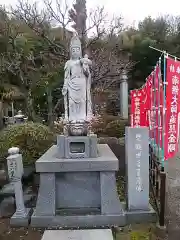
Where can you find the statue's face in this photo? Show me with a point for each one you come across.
(75, 52)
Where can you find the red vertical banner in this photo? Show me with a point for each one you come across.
(148, 101)
(153, 107)
(143, 91)
(158, 105)
(132, 107)
(172, 108)
(161, 107)
(156, 82)
(137, 108)
(148, 92)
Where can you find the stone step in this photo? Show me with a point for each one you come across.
(87, 221)
(89, 234)
(78, 211)
(7, 206)
(8, 190)
(3, 176)
(27, 177)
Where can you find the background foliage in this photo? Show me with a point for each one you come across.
(33, 139)
(34, 48)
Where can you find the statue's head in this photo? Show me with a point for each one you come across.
(75, 47)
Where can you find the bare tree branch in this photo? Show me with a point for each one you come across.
(59, 14)
(40, 22)
(101, 37)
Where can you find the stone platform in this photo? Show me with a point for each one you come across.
(78, 192)
(81, 192)
(50, 162)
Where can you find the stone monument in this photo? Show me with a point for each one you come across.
(77, 176)
(15, 171)
(137, 173)
(20, 118)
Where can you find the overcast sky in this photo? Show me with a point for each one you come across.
(131, 10)
(135, 10)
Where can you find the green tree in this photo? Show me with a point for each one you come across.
(151, 32)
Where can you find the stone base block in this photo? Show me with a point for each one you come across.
(77, 146)
(87, 221)
(21, 221)
(141, 216)
(161, 231)
(50, 163)
(89, 234)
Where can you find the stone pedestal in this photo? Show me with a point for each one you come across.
(77, 146)
(78, 192)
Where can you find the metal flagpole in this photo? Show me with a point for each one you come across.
(159, 107)
(164, 112)
(154, 108)
(162, 51)
(150, 112)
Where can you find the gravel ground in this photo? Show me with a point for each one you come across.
(136, 232)
(172, 168)
(7, 233)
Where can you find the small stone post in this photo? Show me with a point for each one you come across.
(15, 172)
(124, 95)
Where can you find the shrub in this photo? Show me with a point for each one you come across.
(33, 139)
(116, 128)
(100, 122)
(110, 118)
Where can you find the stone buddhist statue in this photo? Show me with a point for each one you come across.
(77, 85)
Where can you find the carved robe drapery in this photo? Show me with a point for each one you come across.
(77, 92)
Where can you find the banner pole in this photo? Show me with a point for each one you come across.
(164, 114)
(159, 107)
(154, 109)
(151, 112)
(162, 51)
